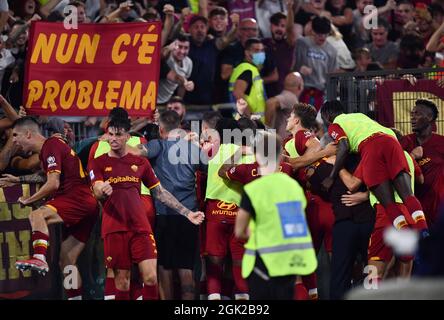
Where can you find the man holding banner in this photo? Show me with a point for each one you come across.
(72, 202)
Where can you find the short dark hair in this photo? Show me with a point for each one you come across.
(196, 18)
(183, 37)
(174, 99)
(226, 124)
(76, 4)
(307, 113)
(118, 112)
(321, 25)
(251, 41)
(120, 124)
(211, 118)
(331, 109)
(430, 105)
(169, 120)
(383, 23)
(27, 121)
(247, 126)
(218, 11)
(398, 133)
(277, 17)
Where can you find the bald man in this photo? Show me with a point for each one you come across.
(278, 108)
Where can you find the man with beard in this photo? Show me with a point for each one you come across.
(427, 148)
(281, 47)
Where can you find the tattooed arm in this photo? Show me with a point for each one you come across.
(8, 180)
(169, 200)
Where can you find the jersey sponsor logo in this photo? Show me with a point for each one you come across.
(91, 175)
(108, 169)
(134, 168)
(424, 161)
(123, 179)
(226, 205)
(51, 161)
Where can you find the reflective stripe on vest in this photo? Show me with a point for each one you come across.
(358, 127)
(285, 247)
(256, 99)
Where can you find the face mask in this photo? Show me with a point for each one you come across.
(258, 58)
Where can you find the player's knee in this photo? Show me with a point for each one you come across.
(122, 283)
(67, 258)
(150, 278)
(35, 216)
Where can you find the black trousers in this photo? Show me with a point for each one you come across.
(275, 288)
(349, 240)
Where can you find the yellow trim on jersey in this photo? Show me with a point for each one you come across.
(51, 171)
(51, 207)
(155, 185)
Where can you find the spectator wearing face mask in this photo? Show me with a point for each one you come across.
(246, 84)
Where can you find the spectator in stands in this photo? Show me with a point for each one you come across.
(278, 108)
(177, 105)
(281, 46)
(204, 53)
(382, 50)
(234, 54)
(404, 13)
(437, 11)
(245, 82)
(244, 8)
(6, 58)
(364, 61)
(218, 22)
(411, 52)
(177, 59)
(424, 21)
(309, 10)
(315, 57)
(265, 9)
(342, 18)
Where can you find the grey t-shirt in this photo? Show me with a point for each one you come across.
(321, 60)
(383, 55)
(167, 87)
(175, 163)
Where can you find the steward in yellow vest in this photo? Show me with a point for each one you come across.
(272, 217)
(246, 82)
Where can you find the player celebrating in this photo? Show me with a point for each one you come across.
(383, 165)
(72, 204)
(128, 238)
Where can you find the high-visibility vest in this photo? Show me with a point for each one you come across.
(104, 147)
(219, 188)
(358, 127)
(279, 232)
(256, 98)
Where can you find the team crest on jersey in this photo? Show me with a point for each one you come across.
(109, 258)
(134, 168)
(51, 162)
(108, 169)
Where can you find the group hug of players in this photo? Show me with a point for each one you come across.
(363, 173)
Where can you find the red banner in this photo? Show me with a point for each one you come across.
(92, 69)
(15, 243)
(396, 98)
